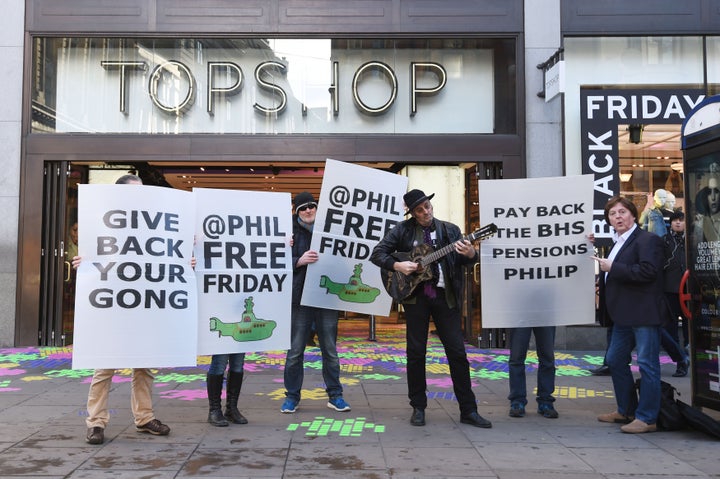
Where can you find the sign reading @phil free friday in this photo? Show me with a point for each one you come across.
(244, 270)
(357, 207)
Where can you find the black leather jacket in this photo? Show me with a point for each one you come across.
(402, 238)
(301, 243)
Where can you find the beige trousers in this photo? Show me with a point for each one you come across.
(140, 397)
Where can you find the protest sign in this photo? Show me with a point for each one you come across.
(537, 271)
(135, 302)
(244, 270)
(357, 207)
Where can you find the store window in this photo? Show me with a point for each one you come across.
(625, 101)
(274, 86)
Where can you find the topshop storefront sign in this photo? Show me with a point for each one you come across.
(399, 92)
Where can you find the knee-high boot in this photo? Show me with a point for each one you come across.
(234, 383)
(214, 389)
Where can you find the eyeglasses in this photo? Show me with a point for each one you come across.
(307, 206)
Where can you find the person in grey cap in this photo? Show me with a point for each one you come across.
(439, 297)
(303, 317)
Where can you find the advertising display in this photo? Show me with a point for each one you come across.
(701, 145)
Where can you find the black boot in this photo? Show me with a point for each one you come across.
(214, 389)
(234, 383)
(682, 369)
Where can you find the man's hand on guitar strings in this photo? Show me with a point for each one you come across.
(405, 267)
(465, 248)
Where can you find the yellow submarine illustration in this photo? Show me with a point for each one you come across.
(354, 291)
(249, 328)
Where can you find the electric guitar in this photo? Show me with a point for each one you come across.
(401, 286)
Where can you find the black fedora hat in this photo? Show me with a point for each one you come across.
(415, 197)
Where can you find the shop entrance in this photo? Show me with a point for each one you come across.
(60, 202)
(474, 331)
(59, 245)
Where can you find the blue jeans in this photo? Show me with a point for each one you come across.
(219, 361)
(326, 325)
(545, 345)
(619, 356)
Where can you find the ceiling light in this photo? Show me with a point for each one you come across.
(625, 177)
(677, 166)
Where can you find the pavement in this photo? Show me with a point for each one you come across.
(42, 428)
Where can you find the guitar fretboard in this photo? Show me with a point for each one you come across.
(436, 255)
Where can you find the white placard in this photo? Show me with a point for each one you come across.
(135, 302)
(537, 271)
(357, 207)
(244, 270)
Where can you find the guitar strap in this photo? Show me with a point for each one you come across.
(429, 288)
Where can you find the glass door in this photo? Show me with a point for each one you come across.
(59, 245)
(474, 332)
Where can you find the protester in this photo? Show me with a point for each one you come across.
(215, 376)
(303, 318)
(545, 345)
(439, 297)
(631, 295)
(140, 389)
(674, 268)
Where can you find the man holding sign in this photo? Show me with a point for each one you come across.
(438, 297)
(140, 392)
(303, 317)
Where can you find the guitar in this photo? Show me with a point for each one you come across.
(401, 286)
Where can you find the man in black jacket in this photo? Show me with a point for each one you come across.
(631, 295)
(439, 297)
(303, 318)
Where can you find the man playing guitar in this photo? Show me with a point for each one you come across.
(438, 297)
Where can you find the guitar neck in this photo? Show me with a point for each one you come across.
(445, 250)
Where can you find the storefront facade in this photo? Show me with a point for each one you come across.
(404, 85)
(400, 85)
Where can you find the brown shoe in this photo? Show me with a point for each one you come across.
(95, 435)
(638, 427)
(615, 417)
(154, 427)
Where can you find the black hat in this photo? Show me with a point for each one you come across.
(677, 215)
(413, 198)
(302, 199)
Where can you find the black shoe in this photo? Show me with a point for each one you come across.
(682, 369)
(475, 419)
(547, 410)
(603, 370)
(517, 409)
(95, 435)
(216, 418)
(418, 417)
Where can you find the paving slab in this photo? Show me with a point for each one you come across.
(42, 420)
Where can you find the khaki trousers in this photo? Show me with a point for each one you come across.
(140, 397)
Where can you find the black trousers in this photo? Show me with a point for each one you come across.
(449, 330)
